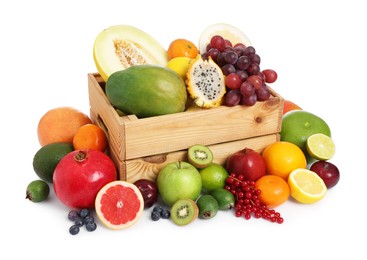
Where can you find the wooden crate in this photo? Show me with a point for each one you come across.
(140, 147)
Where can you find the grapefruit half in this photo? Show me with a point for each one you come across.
(119, 204)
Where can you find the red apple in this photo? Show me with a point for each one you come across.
(328, 172)
(247, 162)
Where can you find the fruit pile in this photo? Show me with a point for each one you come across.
(144, 79)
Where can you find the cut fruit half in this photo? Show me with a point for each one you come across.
(229, 32)
(306, 186)
(119, 204)
(320, 146)
(121, 46)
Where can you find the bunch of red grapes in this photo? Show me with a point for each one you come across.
(247, 202)
(245, 82)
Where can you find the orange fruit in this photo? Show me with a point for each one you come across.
(182, 48)
(60, 125)
(282, 158)
(289, 106)
(119, 204)
(90, 136)
(274, 190)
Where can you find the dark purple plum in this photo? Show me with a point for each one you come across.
(148, 190)
(328, 172)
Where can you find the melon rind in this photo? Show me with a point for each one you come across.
(227, 31)
(104, 55)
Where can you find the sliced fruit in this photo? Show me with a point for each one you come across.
(229, 32)
(205, 83)
(184, 211)
(320, 146)
(121, 46)
(199, 155)
(306, 186)
(119, 204)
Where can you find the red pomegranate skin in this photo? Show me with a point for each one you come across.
(247, 162)
(80, 175)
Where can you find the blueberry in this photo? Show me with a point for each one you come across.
(158, 209)
(155, 215)
(91, 226)
(79, 222)
(73, 215)
(165, 214)
(83, 213)
(74, 229)
(88, 219)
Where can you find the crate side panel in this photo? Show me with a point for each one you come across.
(105, 115)
(149, 167)
(206, 126)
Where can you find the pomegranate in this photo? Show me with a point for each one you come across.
(248, 163)
(80, 175)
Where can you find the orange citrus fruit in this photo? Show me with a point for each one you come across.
(274, 190)
(182, 48)
(60, 124)
(90, 136)
(119, 204)
(290, 106)
(306, 186)
(282, 158)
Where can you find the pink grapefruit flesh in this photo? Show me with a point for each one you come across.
(119, 204)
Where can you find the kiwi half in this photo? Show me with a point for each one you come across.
(184, 211)
(199, 155)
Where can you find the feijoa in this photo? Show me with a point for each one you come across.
(37, 191)
(224, 197)
(208, 206)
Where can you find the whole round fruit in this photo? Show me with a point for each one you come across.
(80, 175)
(213, 177)
(298, 125)
(178, 180)
(328, 172)
(60, 125)
(47, 157)
(37, 191)
(274, 190)
(282, 158)
(247, 162)
(148, 190)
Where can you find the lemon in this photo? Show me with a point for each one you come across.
(320, 146)
(180, 65)
(306, 186)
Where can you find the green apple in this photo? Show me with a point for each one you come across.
(178, 180)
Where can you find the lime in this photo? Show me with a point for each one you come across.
(47, 157)
(213, 177)
(180, 65)
(306, 186)
(320, 147)
(298, 125)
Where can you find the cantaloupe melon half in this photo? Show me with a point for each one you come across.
(121, 46)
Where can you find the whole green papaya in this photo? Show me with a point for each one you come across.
(147, 90)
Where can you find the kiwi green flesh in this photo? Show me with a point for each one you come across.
(200, 156)
(184, 211)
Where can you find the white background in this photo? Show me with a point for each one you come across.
(318, 50)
